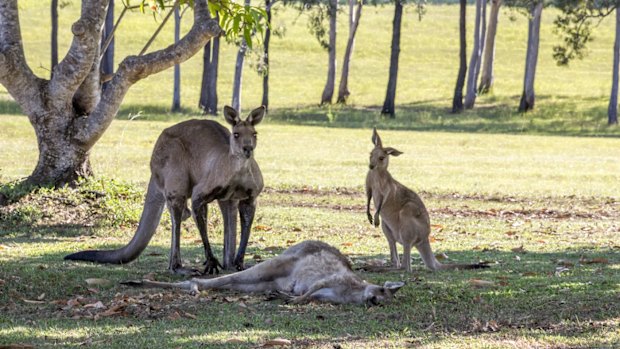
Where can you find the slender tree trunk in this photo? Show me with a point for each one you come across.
(390, 96)
(176, 90)
(208, 87)
(206, 60)
(612, 111)
(531, 59)
(265, 100)
(107, 61)
(355, 12)
(54, 39)
(483, 33)
(486, 81)
(457, 101)
(328, 91)
(474, 61)
(213, 72)
(236, 95)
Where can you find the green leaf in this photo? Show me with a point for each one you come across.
(247, 36)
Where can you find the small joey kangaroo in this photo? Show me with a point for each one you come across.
(400, 211)
(308, 271)
(203, 161)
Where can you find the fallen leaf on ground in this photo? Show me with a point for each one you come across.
(277, 342)
(4, 247)
(30, 301)
(599, 260)
(347, 244)
(41, 296)
(290, 242)
(441, 256)
(96, 305)
(188, 315)
(262, 228)
(519, 249)
(481, 283)
(98, 282)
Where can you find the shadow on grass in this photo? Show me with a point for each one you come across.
(553, 116)
(527, 294)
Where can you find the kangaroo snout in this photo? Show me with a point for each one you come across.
(247, 151)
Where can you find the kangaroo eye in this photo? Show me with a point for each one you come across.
(381, 158)
(236, 134)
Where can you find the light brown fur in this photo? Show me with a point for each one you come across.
(310, 270)
(199, 160)
(404, 217)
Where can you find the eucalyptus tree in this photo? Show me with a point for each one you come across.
(390, 96)
(488, 60)
(208, 87)
(70, 111)
(355, 13)
(457, 100)
(476, 54)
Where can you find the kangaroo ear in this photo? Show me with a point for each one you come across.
(376, 140)
(392, 151)
(231, 115)
(393, 286)
(256, 115)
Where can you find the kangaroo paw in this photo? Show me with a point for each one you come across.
(212, 266)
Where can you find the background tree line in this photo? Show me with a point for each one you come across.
(255, 39)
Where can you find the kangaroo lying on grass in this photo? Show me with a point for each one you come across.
(201, 160)
(405, 219)
(310, 270)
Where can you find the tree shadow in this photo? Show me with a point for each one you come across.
(553, 116)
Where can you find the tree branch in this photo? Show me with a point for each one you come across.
(74, 68)
(135, 68)
(15, 74)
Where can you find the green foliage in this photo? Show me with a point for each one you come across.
(237, 21)
(575, 23)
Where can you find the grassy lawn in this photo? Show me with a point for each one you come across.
(535, 195)
(543, 210)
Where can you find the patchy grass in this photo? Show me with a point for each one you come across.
(543, 210)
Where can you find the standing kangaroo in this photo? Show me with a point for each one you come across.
(405, 219)
(201, 160)
(310, 270)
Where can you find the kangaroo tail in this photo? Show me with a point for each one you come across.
(151, 214)
(433, 264)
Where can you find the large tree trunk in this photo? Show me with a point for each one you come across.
(355, 12)
(107, 60)
(612, 110)
(176, 88)
(328, 91)
(457, 101)
(486, 81)
(54, 39)
(390, 96)
(474, 61)
(71, 112)
(531, 58)
(265, 100)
